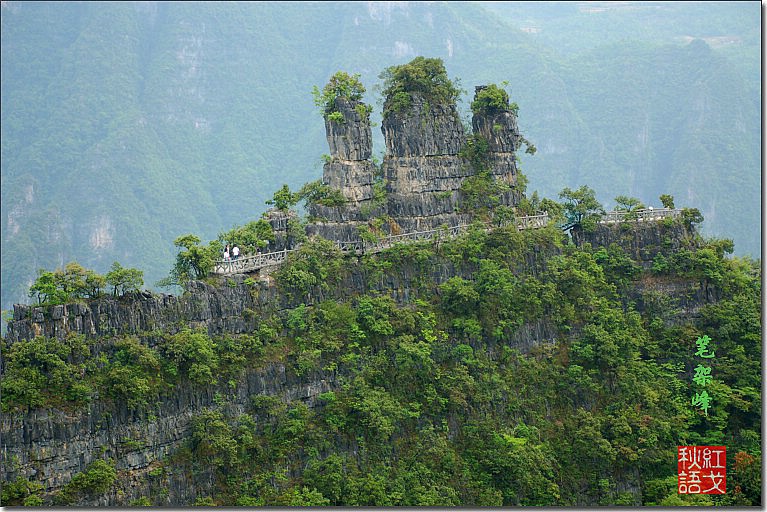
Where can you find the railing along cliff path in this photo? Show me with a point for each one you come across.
(258, 261)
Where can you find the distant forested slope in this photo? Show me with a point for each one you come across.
(125, 125)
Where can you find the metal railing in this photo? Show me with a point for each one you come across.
(646, 214)
(258, 261)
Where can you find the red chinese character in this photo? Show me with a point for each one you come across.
(701, 469)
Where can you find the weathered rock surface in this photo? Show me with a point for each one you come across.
(350, 139)
(424, 168)
(641, 240)
(349, 170)
(280, 222)
(51, 446)
(424, 129)
(218, 309)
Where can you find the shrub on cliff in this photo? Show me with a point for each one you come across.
(97, 479)
(492, 100)
(427, 77)
(341, 85)
(44, 372)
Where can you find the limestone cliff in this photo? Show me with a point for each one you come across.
(420, 185)
(50, 446)
(349, 170)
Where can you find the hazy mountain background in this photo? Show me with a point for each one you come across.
(127, 124)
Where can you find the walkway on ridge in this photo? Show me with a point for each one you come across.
(258, 261)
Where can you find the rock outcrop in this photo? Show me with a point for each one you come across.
(349, 170)
(420, 183)
(499, 128)
(51, 446)
(422, 166)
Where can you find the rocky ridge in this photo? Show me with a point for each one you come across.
(419, 184)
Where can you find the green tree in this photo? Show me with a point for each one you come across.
(492, 100)
(97, 479)
(194, 355)
(124, 280)
(581, 206)
(46, 289)
(21, 492)
(212, 438)
(459, 296)
(340, 85)
(628, 204)
(45, 371)
(72, 280)
(423, 76)
(283, 199)
(133, 374)
(667, 201)
(94, 283)
(194, 261)
(249, 238)
(316, 192)
(691, 216)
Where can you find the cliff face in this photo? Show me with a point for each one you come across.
(222, 309)
(500, 130)
(351, 171)
(423, 170)
(50, 446)
(641, 241)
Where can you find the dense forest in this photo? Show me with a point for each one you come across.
(127, 124)
(497, 364)
(542, 373)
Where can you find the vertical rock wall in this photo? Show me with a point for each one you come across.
(422, 167)
(500, 130)
(349, 170)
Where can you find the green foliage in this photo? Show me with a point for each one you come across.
(212, 439)
(317, 192)
(667, 201)
(618, 268)
(492, 100)
(133, 374)
(533, 205)
(46, 290)
(629, 205)
(249, 238)
(45, 372)
(124, 280)
(194, 261)
(581, 206)
(340, 85)
(21, 492)
(424, 76)
(193, 354)
(527, 377)
(315, 264)
(97, 479)
(691, 216)
(476, 151)
(481, 192)
(158, 181)
(67, 285)
(459, 296)
(283, 199)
